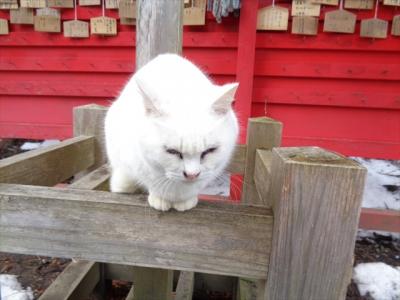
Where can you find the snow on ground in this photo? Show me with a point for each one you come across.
(379, 280)
(35, 145)
(10, 289)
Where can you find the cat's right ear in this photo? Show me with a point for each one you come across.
(148, 99)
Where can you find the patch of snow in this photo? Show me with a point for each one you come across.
(36, 145)
(11, 289)
(379, 280)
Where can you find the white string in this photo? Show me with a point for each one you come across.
(102, 7)
(341, 5)
(76, 10)
(376, 8)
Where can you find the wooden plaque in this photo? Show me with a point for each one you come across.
(305, 25)
(61, 3)
(127, 21)
(76, 29)
(112, 4)
(103, 26)
(47, 24)
(33, 3)
(89, 2)
(273, 18)
(325, 2)
(22, 15)
(391, 2)
(396, 25)
(8, 5)
(127, 9)
(340, 20)
(359, 4)
(195, 14)
(47, 11)
(4, 27)
(187, 3)
(374, 28)
(305, 8)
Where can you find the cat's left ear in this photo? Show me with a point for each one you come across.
(226, 95)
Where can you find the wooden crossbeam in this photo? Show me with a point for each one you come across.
(50, 165)
(217, 238)
(95, 180)
(184, 289)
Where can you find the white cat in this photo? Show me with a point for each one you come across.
(171, 131)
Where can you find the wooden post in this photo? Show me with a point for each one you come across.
(152, 284)
(159, 29)
(316, 199)
(262, 133)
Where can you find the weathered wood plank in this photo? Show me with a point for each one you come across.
(95, 180)
(262, 175)
(262, 133)
(75, 282)
(316, 201)
(119, 272)
(152, 284)
(217, 238)
(380, 219)
(159, 29)
(130, 295)
(237, 163)
(50, 165)
(89, 120)
(184, 289)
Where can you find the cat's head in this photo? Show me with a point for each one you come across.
(192, 141)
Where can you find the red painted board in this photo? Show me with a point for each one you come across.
(379, 219)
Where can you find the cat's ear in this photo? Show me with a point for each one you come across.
(148, 97)
(226, 95)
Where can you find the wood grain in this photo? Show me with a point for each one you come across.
(51, 165)
(184, 289)
(237, 163)
(152, 284)
(317, 201)
(262, 133)
(263, 176)
(75, 282)
(217, 238)
(98, 180)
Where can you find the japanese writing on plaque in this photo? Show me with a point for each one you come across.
(76, 29)
(391, 2)
(89, 2)
(33, 3)
(127, 9)
(3, 26)
(195, 14)
(305, 25)
(111, 4)
(305, 8)
(22, 15)
(374, 28)
(103, 26)
(47, 24)
(396, 25)
(359, 4)
(326, 2)
(61, 3)
(341, 21)
(273, 18)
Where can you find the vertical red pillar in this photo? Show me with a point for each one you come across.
(245, 75)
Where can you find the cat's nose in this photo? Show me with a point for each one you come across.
(191, 176)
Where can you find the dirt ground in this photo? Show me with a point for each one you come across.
(39, 272)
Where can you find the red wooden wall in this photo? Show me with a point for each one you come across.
(332, 90)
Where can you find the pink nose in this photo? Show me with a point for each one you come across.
(191, 176)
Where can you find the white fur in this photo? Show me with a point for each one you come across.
(170, 104)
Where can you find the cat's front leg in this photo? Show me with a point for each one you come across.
(121, 182)
(185, 205)
(158, 203)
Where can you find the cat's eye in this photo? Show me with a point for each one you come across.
(208, 151)
(175, 152)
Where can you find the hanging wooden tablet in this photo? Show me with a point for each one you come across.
(8, 5)
(127, 21)
(391, 2)
(47, 20)
(76, 29)
(127, 9)
(305, 25)
(195, 14)
(103, 26)
(33, 3)
(112, 4)
(60, 3)
(89, 2)
(374, 28)
(359, 4)
(272, 18)
(396, 25)
(305, 8)
(4, 27)
(340, 20)
(21, 15)
(325, 2)
(187, 3)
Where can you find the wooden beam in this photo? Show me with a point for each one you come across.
(237, 163)
(316, 201)
(130, 295)
(51, 165)
(262, 175)
(95, 180)
(152, 284)
(262, 133)
(159, 29)
(77, 281)
(380, 219)
(217, 238)
(184, 289)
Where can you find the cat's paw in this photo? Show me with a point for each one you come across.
(185, 205)
(158, 203)
(121, 183)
